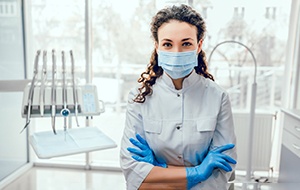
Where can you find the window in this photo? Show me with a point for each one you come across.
(239, 12)
(121, 48)
(233, 66)
(270, 13)
(13, 145)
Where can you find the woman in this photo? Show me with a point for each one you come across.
(179, 129)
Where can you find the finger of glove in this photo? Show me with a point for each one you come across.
(228, 159)
(226, 164)
(138, 144)
(222, 166)
(219, 156)
(223, 148)
(142, 140)
(137, 151)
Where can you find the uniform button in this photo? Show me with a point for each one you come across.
(179, 157)
(178, 126)
(178, 95)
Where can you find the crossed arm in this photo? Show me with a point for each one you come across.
(172, 177)
(179, 176)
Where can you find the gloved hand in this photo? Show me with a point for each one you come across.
(214, 159)
(144, 153)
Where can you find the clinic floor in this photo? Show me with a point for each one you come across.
(45, 178)
(42, 178)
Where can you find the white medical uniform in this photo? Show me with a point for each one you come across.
(180, 126)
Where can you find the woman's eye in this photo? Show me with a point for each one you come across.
(186, 44)
(167, 44)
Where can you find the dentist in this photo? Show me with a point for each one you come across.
(179, 131)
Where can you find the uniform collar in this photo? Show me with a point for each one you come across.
(188, 81)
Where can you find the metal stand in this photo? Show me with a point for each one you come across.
(60, 96)
(252, 108)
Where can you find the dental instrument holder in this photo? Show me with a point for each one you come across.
(61, 97)
(87, 102)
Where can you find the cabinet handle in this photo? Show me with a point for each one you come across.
(297, 128)
(296, 146)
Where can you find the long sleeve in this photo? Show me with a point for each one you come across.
(224, 134)
(134, 172)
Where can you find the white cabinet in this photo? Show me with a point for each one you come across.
(290, 149)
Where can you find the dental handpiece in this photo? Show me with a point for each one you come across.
(75, 97)
(43, 83)
(53, 91)
(65, 112)
(31, 90)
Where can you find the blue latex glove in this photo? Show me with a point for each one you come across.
(144, 153)
(213, 160)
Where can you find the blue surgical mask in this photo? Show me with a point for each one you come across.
(177, 64)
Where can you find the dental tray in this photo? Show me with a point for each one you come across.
(73, 141)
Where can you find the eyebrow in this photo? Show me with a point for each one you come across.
(185, 39)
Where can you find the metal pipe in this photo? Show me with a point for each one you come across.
(88, 57)
(236, 42)
(88, 42)
(252, 107)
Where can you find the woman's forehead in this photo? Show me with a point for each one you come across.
(176, 30)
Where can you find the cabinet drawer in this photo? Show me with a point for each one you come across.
(292, 124)
(291, 142)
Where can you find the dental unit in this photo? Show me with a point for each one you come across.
(55, 93)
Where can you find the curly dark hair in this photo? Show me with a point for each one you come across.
(182, 13)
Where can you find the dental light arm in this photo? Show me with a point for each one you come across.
(252, 107)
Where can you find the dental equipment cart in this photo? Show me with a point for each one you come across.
(58, 95)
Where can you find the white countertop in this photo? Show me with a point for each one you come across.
(292, 112)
